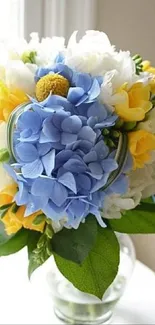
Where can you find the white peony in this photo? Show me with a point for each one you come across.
(141, 185)
(20, 75)
(5, 179)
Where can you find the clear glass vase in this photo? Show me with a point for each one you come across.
(75, 307)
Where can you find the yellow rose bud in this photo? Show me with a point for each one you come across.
(141, 143)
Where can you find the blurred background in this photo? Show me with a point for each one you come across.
(129, 24)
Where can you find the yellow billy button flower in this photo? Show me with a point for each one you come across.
(148, 68)
(15, 221)
(135, 102)
(141, 143)
(9, 100)
(51, 83)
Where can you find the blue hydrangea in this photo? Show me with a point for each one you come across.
(83, 87)
(62, 161)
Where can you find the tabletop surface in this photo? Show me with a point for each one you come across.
(22, 304)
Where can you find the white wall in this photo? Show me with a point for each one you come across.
(129, 24)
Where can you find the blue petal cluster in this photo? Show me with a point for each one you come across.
(62, 159)
(83, 87)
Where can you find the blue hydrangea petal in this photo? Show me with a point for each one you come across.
(26, 152)
(100, 183)
(68, 138)
(86, 133)
(71, 124)
(83, 99)
(32, 138)
(49, 162)
(84, 182)
(43, 138)
(98, 111)
(53, 212)
(102, 150)
(43, 148)
(50, 131)
(83, 80)
(68, 180)
(96, 170)
(58, 118)
(21, 197)
(33, 169)
(59, 194)
(94, 90)
(30, 120)
(74, 94)
(75, 166)
(90, 157)
(62, 157)
(64, 70)
(42, 186)
(35, 204)
(109, 165)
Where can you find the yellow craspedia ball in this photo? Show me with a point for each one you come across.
(54, 83)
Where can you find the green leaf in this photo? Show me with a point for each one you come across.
(14, 243)
(100, 267)
(4, 209)
(138, 221)
(74, 245)
(40, 254)
(4, 155)
(33, 239)
(39, 219)
(3, 236)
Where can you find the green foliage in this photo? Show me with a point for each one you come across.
(39, 251)
(29, 56)
(3, 236)
(4, 155)
(100, 267)
(75, 244)
(4, 209)
(13, 244)
(140, 220)
(138, 63)
(39, 219)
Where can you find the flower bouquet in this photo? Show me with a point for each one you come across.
(77, 154)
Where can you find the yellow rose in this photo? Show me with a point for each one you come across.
(9, 100)
(15, 221)
(148, 68)
(141, 143)
(135, 102)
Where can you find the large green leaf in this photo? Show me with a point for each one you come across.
(141, 220)
(100, 267)
(15, 243)
(74, 245)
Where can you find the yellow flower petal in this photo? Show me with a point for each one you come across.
(135, 102)
(9, 100)
(141, 143)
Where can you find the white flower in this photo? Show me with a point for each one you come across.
(5, 179)
(20, 75)
(114, 205)
(87, 55)
(141, 185)
(149, 123)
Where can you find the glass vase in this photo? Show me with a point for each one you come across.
(75, 307)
